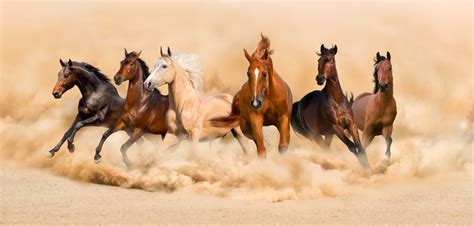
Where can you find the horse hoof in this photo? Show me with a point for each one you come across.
(97, 159)
(71, 147)
(50, 154)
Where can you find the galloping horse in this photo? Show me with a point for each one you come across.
(190, 110)
(100, 104)
(374, 113)
(144, 111)
(327, 112)
(265, 99)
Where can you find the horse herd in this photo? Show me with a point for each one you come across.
(265, 99)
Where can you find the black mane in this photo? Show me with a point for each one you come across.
(94, 71)
(376, 79)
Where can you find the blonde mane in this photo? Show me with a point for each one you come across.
(190, 64)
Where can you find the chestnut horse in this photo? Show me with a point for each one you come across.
(375, 113)
(144, 111)
(100, 104)
(328, 112)
(264, 100)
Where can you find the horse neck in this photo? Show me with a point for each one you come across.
(181, 90)
(333, 88)
(135, 88)
(88, 83)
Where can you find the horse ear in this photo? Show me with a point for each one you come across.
(247, 56)
(61, 62)
(378, 57)
(334, 49)
(69, 62)
(169, 51)
(161, 51)
(389, 57)
(138, 55)
(323, 49)
(265, 54)
(125, 51)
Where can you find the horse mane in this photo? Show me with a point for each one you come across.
(263, 45)
(94, 70)
(190, 64)
(376, 79)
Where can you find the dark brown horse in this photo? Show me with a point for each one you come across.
(144, 111)
(264, 100)
(375, 113)
(100, 104)
(328, 112)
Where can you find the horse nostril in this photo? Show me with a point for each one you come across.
(256, 103)
(56, 94)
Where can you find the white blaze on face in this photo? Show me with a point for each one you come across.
(256, 82)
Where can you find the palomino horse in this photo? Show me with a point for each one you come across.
(144, 111)
(374, 113)
(327, 112)
(100, 104)
(190, 110)
(264, 100)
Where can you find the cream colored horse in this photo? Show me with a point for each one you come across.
(190, 109)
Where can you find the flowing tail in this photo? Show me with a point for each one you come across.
(299, 126)
(231, 120)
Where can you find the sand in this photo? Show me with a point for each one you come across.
(430, 177)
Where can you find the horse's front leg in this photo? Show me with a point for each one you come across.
(119, 125)
(339, 131)
(99, 116)
(239, 135)
(137, 133)
(256, 123)
(284, 129)
(65, 136)
(387, 134)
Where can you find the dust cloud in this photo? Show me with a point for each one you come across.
(431, 57)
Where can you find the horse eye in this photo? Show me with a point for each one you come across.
(265, 74)
(132, 64)
(165, 66)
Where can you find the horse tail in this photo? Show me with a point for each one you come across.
(230, 121)
(298, 126)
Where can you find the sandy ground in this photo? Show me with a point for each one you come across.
(36, 196)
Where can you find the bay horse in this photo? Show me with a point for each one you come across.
(190, 109)
(374, 113)
(100, 104)
(264, 100)
(328, 112)
(144, 111)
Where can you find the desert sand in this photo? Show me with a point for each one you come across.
(430, 177)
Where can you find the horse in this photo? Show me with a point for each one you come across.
(264, 100)
(100, 104)
(328, 112)
(190, 109)
(144, 111)
(374, 113)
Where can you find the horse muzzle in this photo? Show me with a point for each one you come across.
(148, 86)
(118, 79)
(257, 104)
(383, 87)
(57, 94)
(320, 79)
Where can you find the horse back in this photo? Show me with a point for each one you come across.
(312, 111)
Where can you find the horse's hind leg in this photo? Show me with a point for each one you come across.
(65, 136)
(361, 155)
(238, 134)
(387, 134)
